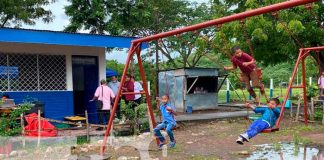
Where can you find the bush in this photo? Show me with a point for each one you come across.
(134, 116)
(9, 125)
(318, 115)
(312, 91)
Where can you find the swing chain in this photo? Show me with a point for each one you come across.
(276, 16)
(246, 36)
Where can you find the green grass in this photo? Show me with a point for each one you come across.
(237, 95)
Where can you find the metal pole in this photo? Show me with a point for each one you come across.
(142, 72)
(314, 48)
(234, 17)
(289, 88)
(250, 96)
(22, 129)
(310, 81)
(271, 88)
(157, 68)
(304, 90)
(149, 87)
(130, 54)
(227, 91)
(39, 127)
(323, 114)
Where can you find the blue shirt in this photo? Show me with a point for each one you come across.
(167, 116)
(114, 86)
(269, 115)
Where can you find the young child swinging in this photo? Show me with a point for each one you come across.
(168, 122)
(270, 114)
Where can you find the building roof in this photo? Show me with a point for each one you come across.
(63, 38)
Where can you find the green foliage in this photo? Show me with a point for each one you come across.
(279, 73)
(298, 140)
(296, 27)
(312, 91)
(259, 36)
(274, 48)
(82, 140)
(15, 13)
(9, 126)
(318, 115)
(134, 116)
(114, 65)
(277, 146)
(88, 15)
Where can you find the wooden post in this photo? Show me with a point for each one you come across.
(39, 127)
(87, 125)
(291, 109)
(22, 129)
(150, 122)
(311, 114)
(298, 107)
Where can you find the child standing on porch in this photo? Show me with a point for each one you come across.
(168, 122)
(268, 119)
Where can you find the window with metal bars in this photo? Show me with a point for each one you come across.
(32, 72)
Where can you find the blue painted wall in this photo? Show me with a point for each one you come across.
(58, 104)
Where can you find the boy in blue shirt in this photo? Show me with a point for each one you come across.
(268, 119)
(168, 122)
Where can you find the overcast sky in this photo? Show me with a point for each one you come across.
(61, 20)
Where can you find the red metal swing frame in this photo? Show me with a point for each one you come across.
(303, 53)
(135, 48)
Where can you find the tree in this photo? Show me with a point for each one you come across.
(14, 13)
(143, 18)
(275, 39)
(89, 15)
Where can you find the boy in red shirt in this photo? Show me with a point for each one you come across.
(247, 65)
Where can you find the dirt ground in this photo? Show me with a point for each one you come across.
(216, 140)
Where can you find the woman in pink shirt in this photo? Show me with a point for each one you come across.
(105, 96)
(321, 84)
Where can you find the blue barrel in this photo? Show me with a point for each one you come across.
(288, 103)
(189, 109)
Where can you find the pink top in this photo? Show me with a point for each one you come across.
(321, 82)
(105, 96)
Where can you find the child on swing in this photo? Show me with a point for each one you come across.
(168, 122)
(270, 114)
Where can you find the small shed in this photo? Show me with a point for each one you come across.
(194, 87)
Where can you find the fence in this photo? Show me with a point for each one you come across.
(229, 92)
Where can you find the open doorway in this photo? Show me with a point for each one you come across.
(85, 81)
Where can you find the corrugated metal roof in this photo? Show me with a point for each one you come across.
(41, 30)
(64, 38)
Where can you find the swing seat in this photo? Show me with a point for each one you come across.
(174, 128)
(269, 130)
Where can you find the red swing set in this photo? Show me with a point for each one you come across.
(135, 49)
